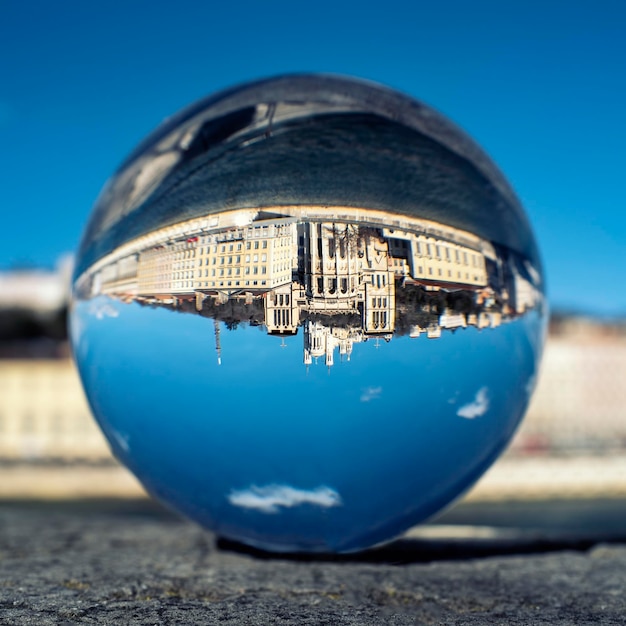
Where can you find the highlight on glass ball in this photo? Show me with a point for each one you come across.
(308, 313)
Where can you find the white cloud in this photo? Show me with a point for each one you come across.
(269, 498)
(371, 393)
(102, 310)
(477, 407)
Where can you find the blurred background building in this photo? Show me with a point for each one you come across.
(571, 444)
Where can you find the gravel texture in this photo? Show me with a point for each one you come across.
(132, 563)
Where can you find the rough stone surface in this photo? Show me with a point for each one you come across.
(132, 564)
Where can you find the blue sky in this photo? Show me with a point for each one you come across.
(374, 431)
(540, 85)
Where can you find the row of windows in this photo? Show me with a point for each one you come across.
(230, 260)
(282, 317)
(333, 283)
(237, 259)
(235, 283)
(226, 260)
(379, 319)
(281, 299)
(459, 257)
(379, 280)
(459, 274)
(221, 283)
(230, 271)
(223, 248)
(332, 247)
(183, 265)
(192, 252)
(251, 269)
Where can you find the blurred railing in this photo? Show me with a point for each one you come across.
(571, 444)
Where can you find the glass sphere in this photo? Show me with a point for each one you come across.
(308, 313)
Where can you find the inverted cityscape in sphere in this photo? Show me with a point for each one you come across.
(308, 313)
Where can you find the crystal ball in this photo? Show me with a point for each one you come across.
(308, 313)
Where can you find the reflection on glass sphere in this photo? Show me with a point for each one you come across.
(308, 313)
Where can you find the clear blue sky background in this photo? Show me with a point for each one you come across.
(540, 85)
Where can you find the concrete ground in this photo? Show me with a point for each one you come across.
(131, 562)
